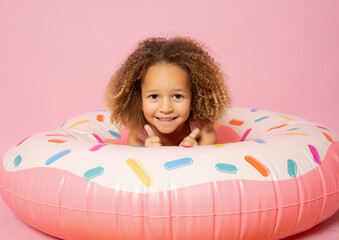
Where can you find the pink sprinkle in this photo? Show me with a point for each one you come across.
(245, 135)
(187, 146)
(97, 147)
(324, 128)
(315, 154)
(98, 138)
(22, 141)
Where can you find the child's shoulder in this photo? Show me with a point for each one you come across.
(207, 136)
(135, 139)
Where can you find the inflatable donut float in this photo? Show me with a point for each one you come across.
(269, 176)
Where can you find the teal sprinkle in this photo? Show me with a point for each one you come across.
(115, 134)
(17, 161)
(93, 173)
(292, 168)
(260, 119)
(226, 168)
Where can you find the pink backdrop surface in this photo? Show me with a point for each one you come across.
(57, 57)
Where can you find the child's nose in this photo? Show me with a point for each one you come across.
(166, 105)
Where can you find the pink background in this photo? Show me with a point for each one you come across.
(56, 57)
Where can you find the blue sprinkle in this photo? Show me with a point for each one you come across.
(17, 160)
(261, 141)
(94, 172)
(292, 129)
(182, 162)
(115, 134)
(260, 119)
(292, 168)
(226, 168)
(55, 157)
(254, 110)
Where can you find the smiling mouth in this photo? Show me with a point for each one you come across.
(168, 119)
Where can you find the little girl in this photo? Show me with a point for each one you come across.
(169, 92)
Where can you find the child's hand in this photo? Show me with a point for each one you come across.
(190, 139)
(152, 140)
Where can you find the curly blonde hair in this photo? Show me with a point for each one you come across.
(210, 95)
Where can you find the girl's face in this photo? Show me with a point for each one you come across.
(166, 97)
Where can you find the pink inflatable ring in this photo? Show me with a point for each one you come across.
(278, 175)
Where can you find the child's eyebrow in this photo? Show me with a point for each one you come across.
(179, 90)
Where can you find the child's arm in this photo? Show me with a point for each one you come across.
(134, 140)
(205, 136)
(208, 136)
(152, 140)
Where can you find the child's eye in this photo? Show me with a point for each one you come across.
(153, 96)
(178, 96)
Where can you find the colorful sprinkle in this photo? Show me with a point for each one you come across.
(261, 168)
(75, 124)
(140, 171)
(292, 129)
(17, 161)
(261, 141)
(328, 137)
(56, 141)
(292, 168)
(324, 128)
(187, 146)
(315, 154)
(220, 145)
(286, 117)
(100, 118)
(22, 141)
(93, 173)
(55, 157)
(254, 110)
(97, 147)
(236, 122)
(260, 119)
(115, 134)
(300, 134)
(226, 168)
(280, 126)
(98, 138)
(178, 163)
(245, 135)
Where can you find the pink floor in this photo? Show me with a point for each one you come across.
(12, 228)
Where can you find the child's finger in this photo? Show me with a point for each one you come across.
(153, 141)
(149, 131)
(194, 133)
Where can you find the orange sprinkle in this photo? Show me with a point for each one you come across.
(300, 134)
(261, 168)
(56, 141)
(328, 137)
(280, 126)
(287, 117)
(100, 118)
(236, 122)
